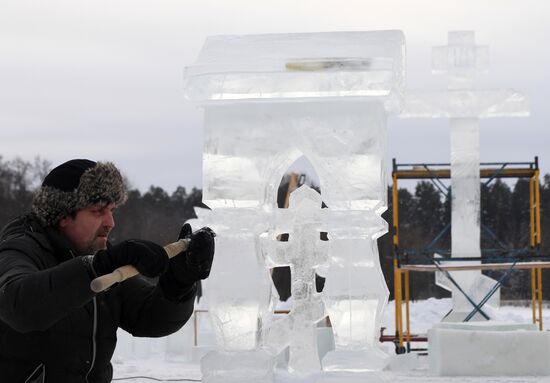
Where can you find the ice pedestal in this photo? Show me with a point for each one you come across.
(268, 100)
(486, 326)
(237, 367)
(351, 377)
(359, 361)
(492, 350)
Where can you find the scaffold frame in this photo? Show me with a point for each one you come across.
(533, 261)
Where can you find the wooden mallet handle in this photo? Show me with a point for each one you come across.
(124, 272)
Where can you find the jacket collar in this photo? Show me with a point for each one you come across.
(48, 238)
(61, 246)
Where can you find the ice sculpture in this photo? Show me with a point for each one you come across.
(304, 252)
(239, 293)
(268, 100)
(464, 106)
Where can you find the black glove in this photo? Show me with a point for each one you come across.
(147, 257)
(197, 262)
(190, 265)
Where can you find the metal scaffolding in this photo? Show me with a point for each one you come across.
(529, 258)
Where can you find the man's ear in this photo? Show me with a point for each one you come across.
(64, 222)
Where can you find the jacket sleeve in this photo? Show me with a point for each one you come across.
(33, 299)
(146, 312)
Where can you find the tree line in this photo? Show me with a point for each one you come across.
(424, 213)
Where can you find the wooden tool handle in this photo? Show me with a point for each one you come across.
(124, 272)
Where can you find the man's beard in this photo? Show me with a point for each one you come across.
(99, 242)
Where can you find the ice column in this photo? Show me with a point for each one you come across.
(355, 290)
(464, 106)
(268, 100)
(238, 298)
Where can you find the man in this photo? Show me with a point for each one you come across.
(53, 328)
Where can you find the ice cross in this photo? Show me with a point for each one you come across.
(304, 252)
(464, 106)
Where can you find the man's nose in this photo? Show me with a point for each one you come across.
(108, 219)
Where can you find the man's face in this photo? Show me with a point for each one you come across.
(89, 228)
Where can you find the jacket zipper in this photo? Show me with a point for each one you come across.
(94, 332)
(42, 375)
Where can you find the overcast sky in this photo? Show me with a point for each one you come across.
(103, 79)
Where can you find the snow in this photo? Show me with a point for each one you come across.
(148, 357)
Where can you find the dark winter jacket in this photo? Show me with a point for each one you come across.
(53, 325)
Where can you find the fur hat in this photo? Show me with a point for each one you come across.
(75, 185)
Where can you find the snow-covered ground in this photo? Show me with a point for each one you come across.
(424, 314)
(174, 359)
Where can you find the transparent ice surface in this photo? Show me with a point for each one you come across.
(464, 103)
(355, 297)
(236, 304)
(357, 361)
(461, 59)
(304, 252)
(268, 100)
(465, 217)
(237, 367)
(250, 146)
(299, 65)
(356, 293)
(357, 224)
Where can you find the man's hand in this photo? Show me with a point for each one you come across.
(197, 259)
(190, 265)
(147, 257)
